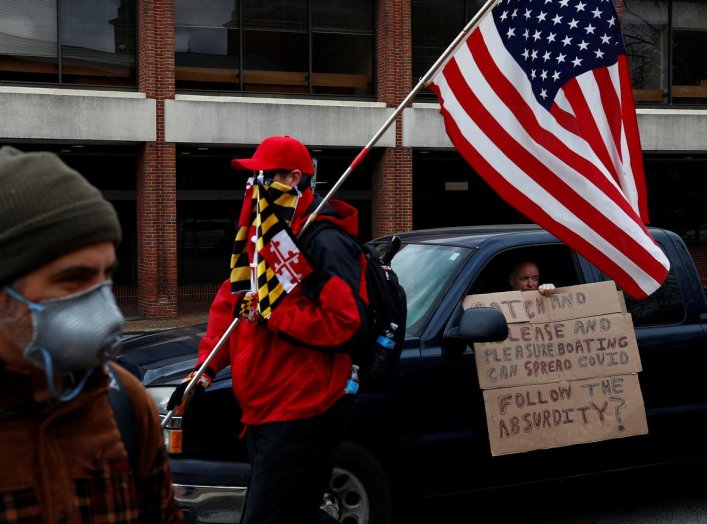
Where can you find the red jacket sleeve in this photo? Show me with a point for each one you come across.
(220, 318)
(330, 321)
(329, 312)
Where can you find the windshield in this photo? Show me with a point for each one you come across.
(425, 272)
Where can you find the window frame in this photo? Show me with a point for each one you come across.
(84, 76)
(278, 79)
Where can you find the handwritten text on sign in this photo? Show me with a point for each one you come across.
(566, 303)
(559, 350)
(550, 415)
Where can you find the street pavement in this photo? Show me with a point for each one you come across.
(187, 314)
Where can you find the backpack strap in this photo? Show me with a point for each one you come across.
(311, 286)
(123, 414)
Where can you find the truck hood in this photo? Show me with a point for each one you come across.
(164, 357)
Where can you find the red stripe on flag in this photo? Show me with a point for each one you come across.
(612, 110)
(565, 119)
(586, 126)
(628, 116)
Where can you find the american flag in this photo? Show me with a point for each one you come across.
(538, 100)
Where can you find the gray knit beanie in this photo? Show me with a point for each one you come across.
(47, 210)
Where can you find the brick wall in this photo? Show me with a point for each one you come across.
(157, 177)
(391, 192)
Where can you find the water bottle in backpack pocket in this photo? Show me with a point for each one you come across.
(384, 356)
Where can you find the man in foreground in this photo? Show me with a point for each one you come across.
(62, 455)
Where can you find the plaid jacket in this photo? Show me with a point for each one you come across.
(66, 463)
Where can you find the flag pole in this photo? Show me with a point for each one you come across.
(424, 81)
(195, 379)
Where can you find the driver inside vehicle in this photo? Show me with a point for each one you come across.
(525, 276)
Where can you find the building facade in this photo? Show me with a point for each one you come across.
(150, 99)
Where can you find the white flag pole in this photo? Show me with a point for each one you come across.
(195, 379)
(424, 81)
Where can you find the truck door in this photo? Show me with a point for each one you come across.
(673, 348)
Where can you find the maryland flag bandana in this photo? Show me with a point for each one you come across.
(279, 264)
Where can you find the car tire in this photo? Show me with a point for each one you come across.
(359, 491)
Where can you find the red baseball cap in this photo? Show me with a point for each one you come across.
(277, 152)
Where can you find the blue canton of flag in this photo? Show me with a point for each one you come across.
(555, 40)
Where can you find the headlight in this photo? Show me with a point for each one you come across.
(173, 431)
(161, 396)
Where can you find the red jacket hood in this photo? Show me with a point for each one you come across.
(337, 212)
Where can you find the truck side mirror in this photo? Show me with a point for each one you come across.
(477, 324)
(483, 324)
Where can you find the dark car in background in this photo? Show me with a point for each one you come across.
(424, 435)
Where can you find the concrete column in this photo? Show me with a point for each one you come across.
(157, 176)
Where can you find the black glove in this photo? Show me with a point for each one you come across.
(179, 400)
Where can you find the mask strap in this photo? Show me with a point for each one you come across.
(71, 394)
(49, 373)
(48, 367)
(33, 306)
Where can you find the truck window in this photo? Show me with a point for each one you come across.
(556, 263)
(664, 306)
(425, 271)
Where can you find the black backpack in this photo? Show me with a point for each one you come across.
(387, 304)
(387, 312)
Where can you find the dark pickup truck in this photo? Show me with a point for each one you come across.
(425, 435)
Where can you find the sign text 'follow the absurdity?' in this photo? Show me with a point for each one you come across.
(541, 416)
(562, 352)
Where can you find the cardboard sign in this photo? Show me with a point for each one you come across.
(551, 415)
(566, 372)
(538, 352)
(510, 303)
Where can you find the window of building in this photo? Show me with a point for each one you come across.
(677, 190)
(448, 192)
(86, 42)
(435, 24)
(278, 46)
(665, 42)
(342, 47)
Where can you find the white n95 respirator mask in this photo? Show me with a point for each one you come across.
(74, 333)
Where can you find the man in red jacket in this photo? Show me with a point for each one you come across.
(290, 351)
